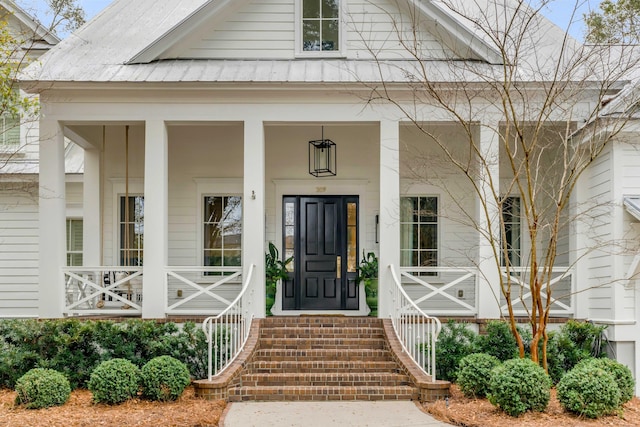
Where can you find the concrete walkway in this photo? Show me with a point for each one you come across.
(327, 414)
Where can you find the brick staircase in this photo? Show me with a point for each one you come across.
(323, 358)
(316, 358)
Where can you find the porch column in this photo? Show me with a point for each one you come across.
(92, 209)
(253, 224)
(52, 220)
(389, 212)
(488, 217)
(156, 198)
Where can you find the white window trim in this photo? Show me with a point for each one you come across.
(342, 35)
(524, 237)
(438, 196)
(216, 187)
(136, 188)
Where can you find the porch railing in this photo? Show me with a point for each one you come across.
(103, 290)
(562, 286)
(450, 291)
(201, 290)
(227, 332)
(417, 331)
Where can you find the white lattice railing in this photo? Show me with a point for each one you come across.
(103, 290)
(201, 290)
(227, 332)
(417, 331)
(562, 290)
(442, 290)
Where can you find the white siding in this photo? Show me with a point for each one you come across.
(598, 220)
(265, 29)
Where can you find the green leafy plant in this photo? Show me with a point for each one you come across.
(518, 386)
(498, 341)
(475, 373)
(621, 374)
(454, 342)
(164, 378)
(42, 388)
(368, 273)
(114, 381)
(589, 391)
(275, 269)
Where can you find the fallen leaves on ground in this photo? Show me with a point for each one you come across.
(80, 411)
(466, 412)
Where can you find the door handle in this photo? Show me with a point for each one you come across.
(338, 267)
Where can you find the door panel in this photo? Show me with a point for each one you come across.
(320, 239)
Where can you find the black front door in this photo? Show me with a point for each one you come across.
(321, 234)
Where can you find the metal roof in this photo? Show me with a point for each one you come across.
(632, 203)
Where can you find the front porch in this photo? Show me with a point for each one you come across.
(204, 198)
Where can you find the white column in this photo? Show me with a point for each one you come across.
(52, 219)
(488, 219)
(92, 209)
(389, 212)
(253, 223)
(156, 197)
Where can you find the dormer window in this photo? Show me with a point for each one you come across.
(319, 28)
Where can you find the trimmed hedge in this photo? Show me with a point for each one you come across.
(114, 381)
(42, 388)
(518, 386)
(621, 374)
(588, 391)
(475, 373)
(164, 378)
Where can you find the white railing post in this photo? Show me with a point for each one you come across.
(225, 345)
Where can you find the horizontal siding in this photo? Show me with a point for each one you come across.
(18, 255)
(265, 29)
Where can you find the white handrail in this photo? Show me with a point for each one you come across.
(417, 331)
(227, 332)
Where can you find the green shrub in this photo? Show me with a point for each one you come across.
(164, 378)
(42, 388)
(454, 342)
(621, 374)
(575, 341)
(518, 386)
(588, 391)
(114, 381)
(498, 341)
(475, 373)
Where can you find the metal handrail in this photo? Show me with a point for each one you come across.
(228, 331)
(416, 330)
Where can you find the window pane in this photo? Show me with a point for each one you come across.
(428, 236)
(428, 259)
(311, 8)
(330, 9)
(406, 209)
(311, 35)
(212, 236)
(212, 209)
(232, 258)
(213, 258)
(428, 209)
(330, 31)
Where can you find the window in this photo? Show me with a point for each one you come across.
(74, 242)
(512, 231)
(131, 231)
(320, 26)
(222, 231)
(419, 231)
(9, 130)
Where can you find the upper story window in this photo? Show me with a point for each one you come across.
(320, 27)
(9, 130)
(74, 242)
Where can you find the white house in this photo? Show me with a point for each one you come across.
(196, 119)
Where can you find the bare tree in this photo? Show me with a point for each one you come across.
(528, 108)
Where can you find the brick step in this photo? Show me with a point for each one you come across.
(320, 366)
(321, 321)
(317, 332)
(323, 343)
(381, 379)
(321, 354)
(321, 393)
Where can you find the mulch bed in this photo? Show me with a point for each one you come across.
(466, 412)
(81, 411)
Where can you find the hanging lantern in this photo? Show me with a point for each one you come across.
(322, 157)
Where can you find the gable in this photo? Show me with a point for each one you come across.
(266, 29)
